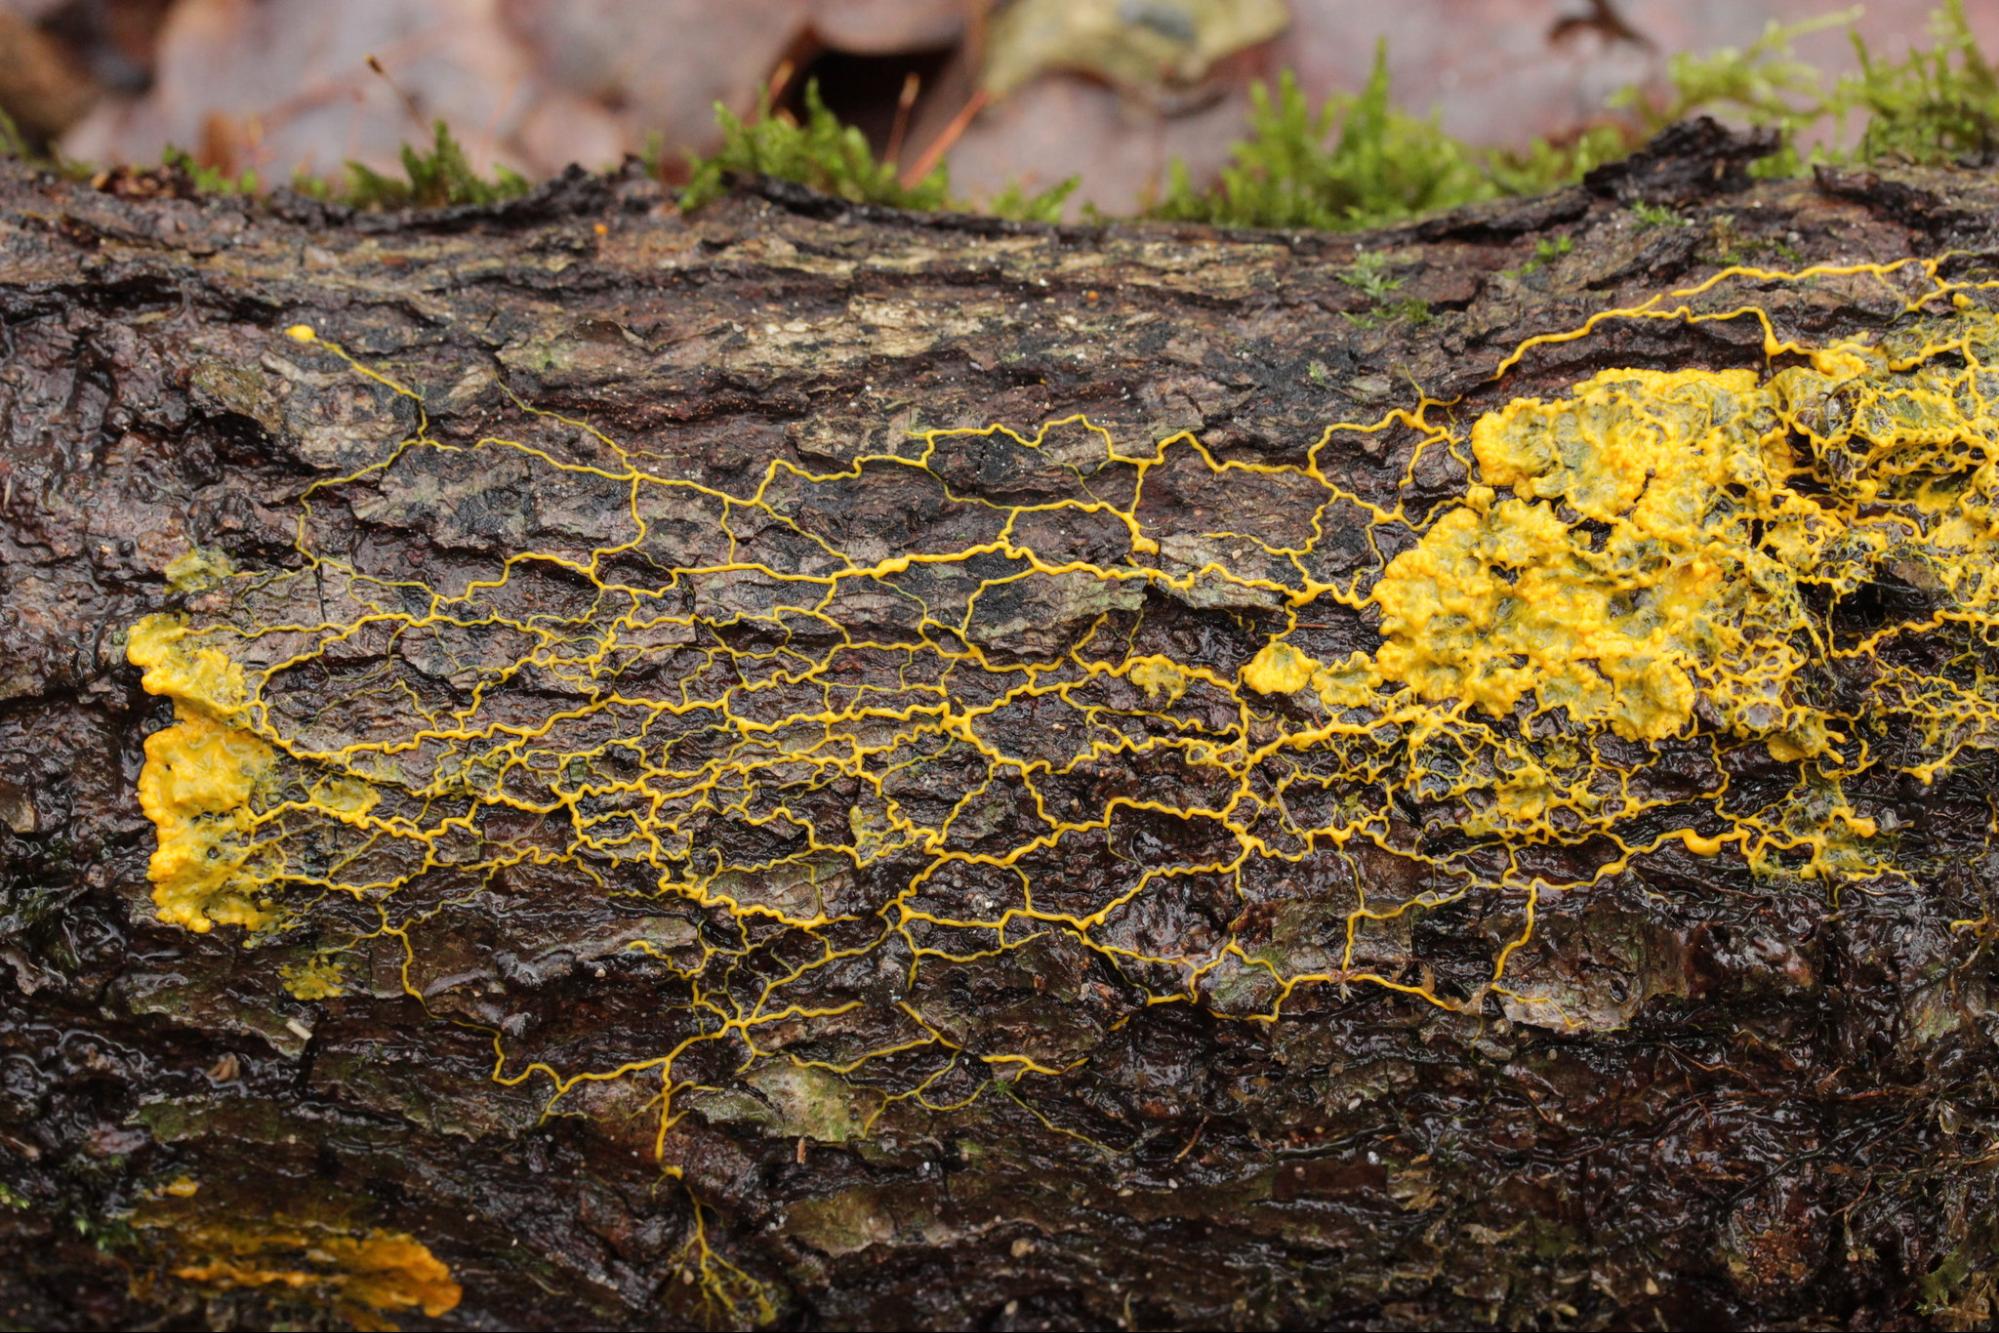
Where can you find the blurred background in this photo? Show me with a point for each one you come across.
(1005, 91)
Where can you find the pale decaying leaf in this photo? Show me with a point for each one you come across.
(1135, 44)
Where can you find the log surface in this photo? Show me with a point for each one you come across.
(1746, 1099)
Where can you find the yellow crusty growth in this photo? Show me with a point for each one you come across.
(1278, 668)
(195, 570)
(1624, 572)
(316, 978)
(362, 1276)
(198, 781)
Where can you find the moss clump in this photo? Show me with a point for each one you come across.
(821, 152)
(1359, 162)
(440, 178)
(1369, 275)
(206, 179)
(1936, 105)
(834, 158)
(1656, 215)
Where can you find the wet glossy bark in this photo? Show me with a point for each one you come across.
(1781, 1109)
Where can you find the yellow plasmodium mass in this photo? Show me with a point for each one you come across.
(363, 1276)
(1158, 677)
(199, 778)
(317, 978)
(1649, 541)
(1621, 568)
(1278, 668)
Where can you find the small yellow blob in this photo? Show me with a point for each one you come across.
(318, 978)
(195, 570)
(182, 1187)
(1158, 676)
(1784, 750)
(301, 333)
(1348, 684)
(1278, 668)
(1841, 361)
(1700, 844)
(345, 797)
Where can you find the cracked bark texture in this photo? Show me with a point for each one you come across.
(1782, 1115)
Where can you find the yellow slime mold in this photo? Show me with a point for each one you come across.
(1623, 571)
(806, 751)
(364, 1276)
(1654, 557)
(198, 780)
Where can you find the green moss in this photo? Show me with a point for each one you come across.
(1656, 215)
(1938, 104)
(1732, 247)
(206, 179)
(1354, 161)
(1044, 206)
(1369, 275)
(1546, 251)
(835, 159)
(1962, 1280)
(1763, 83)
(439, 178)
(821, 153)
(1359, 162)
(111, 1235)
(12, 143)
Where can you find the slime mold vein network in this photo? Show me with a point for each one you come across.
(1072, 707)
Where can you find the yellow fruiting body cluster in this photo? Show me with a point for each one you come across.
(1652, 563)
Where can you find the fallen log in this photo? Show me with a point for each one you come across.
(567, 765)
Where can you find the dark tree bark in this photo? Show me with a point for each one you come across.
(1743, 1097)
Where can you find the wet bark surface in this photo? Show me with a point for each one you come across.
(1768, 1101)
